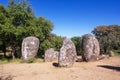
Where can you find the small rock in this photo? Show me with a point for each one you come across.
(50, 55)
(111, 53)
(103, 57)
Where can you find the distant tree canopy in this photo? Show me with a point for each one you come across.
(78, 44)
(108, 36)
(17, 21)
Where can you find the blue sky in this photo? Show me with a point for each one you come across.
(76, 17)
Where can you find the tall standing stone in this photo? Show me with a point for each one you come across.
(67, 54)
(30, 47)
(50, 55)
(90, 48)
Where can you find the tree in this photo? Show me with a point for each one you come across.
(108, 37)
(2, 23)
(53, 41)
(78, 44)
(17, 21)
(56, 41)
(13, 22)
(46, 26)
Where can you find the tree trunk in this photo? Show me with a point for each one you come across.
(4, 50)
(5, 55)
(20, 54)
(13, 52)
(13, 57)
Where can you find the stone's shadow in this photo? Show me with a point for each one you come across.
(79, 60)
(110, 67)
(55, 64)
(9, 77)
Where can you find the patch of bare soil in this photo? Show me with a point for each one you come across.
(107, 69)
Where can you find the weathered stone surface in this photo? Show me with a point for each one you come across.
(111, 53)
(103, 57)
(30, 47)
(67, 54)
(50, 55)
(90, 48)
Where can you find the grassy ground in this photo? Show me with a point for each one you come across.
(117, 52)
(5, 60)
(18, 60)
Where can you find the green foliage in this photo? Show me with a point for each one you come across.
(56, 41)
(78, 44)
(46, 45)
(117, 52)
(52, 41)
(30, 61)
(35, 60)
(17, 21)
(4, 60)
(45, 25)
(108, 36)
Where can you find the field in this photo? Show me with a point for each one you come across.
(106, 69)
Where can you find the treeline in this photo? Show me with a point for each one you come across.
(18, 21)
(108, 37)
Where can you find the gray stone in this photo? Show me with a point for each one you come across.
(111, 53)
(50, 55)
(30, 46)
(103, 57)
(90, 48)
(67, 54)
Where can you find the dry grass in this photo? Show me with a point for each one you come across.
(107, 69)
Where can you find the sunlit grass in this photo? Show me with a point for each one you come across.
(117, 52)
(18, 60)
(5, 60)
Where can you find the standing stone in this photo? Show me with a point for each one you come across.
(90, 48)
(67, 54)
(50, 55)
(30, 47)
(111, 53)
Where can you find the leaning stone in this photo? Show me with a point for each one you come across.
(90, 48)
(30, 46)
(67, 55)
(50, 55)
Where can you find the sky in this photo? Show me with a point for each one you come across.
(76, 17)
